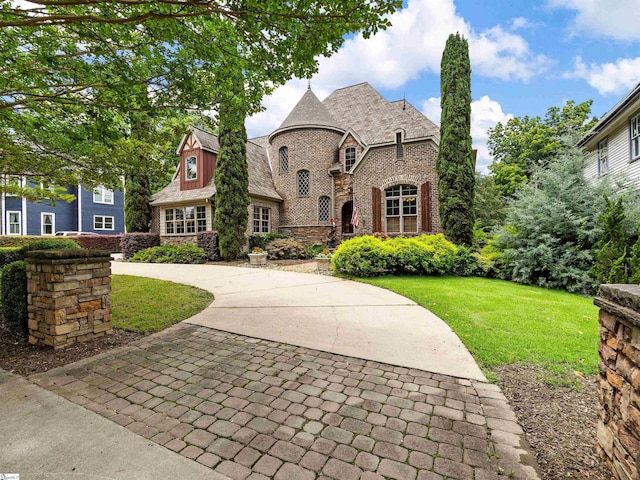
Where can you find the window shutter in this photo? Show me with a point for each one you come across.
(376, 200)
(425, 205)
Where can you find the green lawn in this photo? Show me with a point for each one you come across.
(502, 322)
(147, 305)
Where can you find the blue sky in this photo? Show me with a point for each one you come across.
(525, 57)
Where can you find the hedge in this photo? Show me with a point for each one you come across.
(134, 242)
(16, 240)
(9, 255)
(208, 241)
(186, 254)
(13, 290)
(48, 244)
(100, 242)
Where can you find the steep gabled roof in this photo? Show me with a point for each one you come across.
(207, 141)
(309, 113)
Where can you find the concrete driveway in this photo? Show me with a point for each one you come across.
(321, 312)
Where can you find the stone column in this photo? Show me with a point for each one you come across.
(69, 296)
(618, 384)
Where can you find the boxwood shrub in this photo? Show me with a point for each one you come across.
(48, 244)
(13, 291)
(189, 254)
(9, 255)
(365, 256)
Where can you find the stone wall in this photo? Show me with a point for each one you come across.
(69, 296)
(307, 235)
(618, 383)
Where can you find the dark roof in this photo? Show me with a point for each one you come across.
(208, 140)
(309, 112)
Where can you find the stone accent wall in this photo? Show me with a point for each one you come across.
(308, 235)
(618, 384)
(69, 296)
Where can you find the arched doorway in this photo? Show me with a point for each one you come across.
(347, 211)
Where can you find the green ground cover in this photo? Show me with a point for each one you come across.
(146, 305)
(502, 322)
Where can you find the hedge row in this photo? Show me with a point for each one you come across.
(208, 241)
(132, 243)
(14, 254)
(100, 242)
(185, 254)
(13, 290)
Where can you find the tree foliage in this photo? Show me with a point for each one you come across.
(137, 210)
(524, 144)
(489, 208)
(455, 166)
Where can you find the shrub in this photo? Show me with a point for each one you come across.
(465, 264)
(47, 244)
(14, 295)
(381, 235)
(284, 248)
(311, 251)
(261, 239)
(365, 256)
(9, 255)
(425, 255)
(134, 242)
(15, 240)
(208, 241)
(100, 242)
(186, 254)
(491, 262)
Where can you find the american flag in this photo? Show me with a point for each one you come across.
(354, 216)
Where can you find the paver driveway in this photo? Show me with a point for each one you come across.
(257, 409)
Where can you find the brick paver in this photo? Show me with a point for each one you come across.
(255, 409)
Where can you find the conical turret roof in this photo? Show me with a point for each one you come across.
(309, 113)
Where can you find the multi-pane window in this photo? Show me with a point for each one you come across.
(603, 157)
(102, 195)
(191, 168)
(324, 204)
(185, 220)
(47, 223)
(15, 223)
(284, 159)
(260, 220)
(399, 149)
(102, 222)
(401, 204)
(349, 158)
(635, 137)
(303, 183)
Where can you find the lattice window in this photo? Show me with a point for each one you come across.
(324, 204)
(284, 159)
(303, 183)
(349, 158)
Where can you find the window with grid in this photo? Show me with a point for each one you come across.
(191, 168)
(185, 220)
(401, 203)
(603, 157)
(261, 219)
(324, 204)
(635, 137)
(102, 195)
(101, 222)
(47, 223)
(303, 183)
(349, 159)
(284, 159)
(15, 223)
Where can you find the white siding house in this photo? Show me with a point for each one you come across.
(612, 146)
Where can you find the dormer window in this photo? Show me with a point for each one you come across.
(349, 159)
(399, 149)
(191, 168)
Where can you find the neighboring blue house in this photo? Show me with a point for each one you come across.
(98, 210)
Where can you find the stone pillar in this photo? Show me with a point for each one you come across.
(618, 384)
(69, 296)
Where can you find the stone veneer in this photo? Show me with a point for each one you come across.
(618, 384)
(69, 296)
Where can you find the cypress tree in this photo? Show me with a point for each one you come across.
(137, 210)
(232, 174)
(455, 166)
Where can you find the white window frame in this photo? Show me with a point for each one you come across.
(42, 224)
(261, 219)
(19, 222)
(103, 222)
(634, 136)
(401, 215)
(187, 170)
(349, 150)
(187, 220)
(102, 195)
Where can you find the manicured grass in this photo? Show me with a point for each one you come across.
(147, 305)
(502, 322)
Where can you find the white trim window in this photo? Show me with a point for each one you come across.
(401, 202)
(102, 195)
(634, 132)
(349, 158)
(14, 223)
(603, 157)
(47, 223)
(102, 222)
(191, 168)
(185, 220)
(261, 220)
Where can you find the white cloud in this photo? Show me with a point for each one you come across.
(617, 19)
(485, 114)
(609, 78)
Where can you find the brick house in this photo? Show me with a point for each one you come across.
(355, 146)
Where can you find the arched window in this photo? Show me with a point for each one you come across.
(349, 158)
(303, 183)
(324, 204)
(284, 159)
(191, 168)
(401, 209)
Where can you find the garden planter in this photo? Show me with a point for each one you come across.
(258, 259)
(323, 263)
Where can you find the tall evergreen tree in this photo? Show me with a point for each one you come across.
(232, 173)
(455, 156)
(137, 210)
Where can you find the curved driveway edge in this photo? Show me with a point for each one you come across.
(320, 312)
